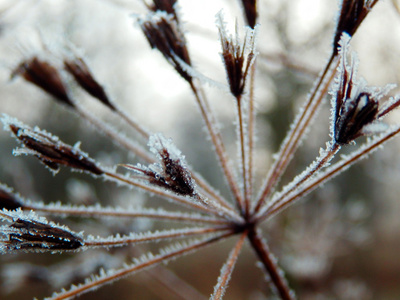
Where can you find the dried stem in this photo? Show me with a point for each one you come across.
(227, 269)
(99, 212)
(290, 144)
(251, 131)
(328, 174)
(216, 139)
(270, 265)
(306, 175)
(114, 135)
(147, 237)
(243, 155)
(162, 258)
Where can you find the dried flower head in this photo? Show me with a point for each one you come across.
(357, 108)
(45, 76)
(352, 13)
(49, 149)
(236, 57)
(171, 173)
(84, 77)
(165, 34)
(26, 233)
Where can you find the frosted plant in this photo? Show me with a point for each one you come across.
(206, 217)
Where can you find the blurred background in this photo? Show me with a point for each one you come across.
(341, 242)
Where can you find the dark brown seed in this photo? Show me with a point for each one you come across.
(45, 76)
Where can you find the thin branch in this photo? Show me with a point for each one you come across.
(136, 238)
(114, 135)
(144, 263)
(269, 262)
(308, 173)
(251, 132)
(243, 156)
(216, 139)
(227, 269)
(329, 173)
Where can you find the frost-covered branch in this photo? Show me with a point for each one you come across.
(136, 238)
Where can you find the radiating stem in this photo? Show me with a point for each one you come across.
(216, 139)
(227, 269)
(157, 236)
(291, 143)
(328, 174)
(270, 265)
(251, 132)
(114, 135)
(244, 207)
(303, 177)
(98, 212)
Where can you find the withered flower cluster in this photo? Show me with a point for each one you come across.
(164, 33)
(237, 57)
(171, 172)
(48, 77)
(357, 107)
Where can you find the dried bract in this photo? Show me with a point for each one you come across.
(250, 10)
(80, 71)
(352, 13)
(171, 173)
(49, 150)
(164, 33)
(45, 76)
(236, 57)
